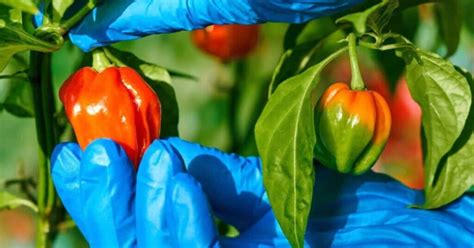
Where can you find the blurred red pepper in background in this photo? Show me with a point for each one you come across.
(227, 42)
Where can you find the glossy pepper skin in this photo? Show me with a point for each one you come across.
(352, 128)
(115, 103)
(227, 42)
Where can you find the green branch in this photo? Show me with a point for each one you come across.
(44, 107)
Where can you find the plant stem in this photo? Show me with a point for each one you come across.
(100, 60)
(69, 23)
(40, 78)
(234, 95)
(357, 83)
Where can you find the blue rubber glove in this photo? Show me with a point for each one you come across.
(172, 209)
(120, 20)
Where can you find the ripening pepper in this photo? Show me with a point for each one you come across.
(115, 103)
(227, 42)
(352, 127)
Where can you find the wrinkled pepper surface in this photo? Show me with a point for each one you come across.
(352, 128)
(115, 103)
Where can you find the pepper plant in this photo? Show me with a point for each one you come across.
(289, 131)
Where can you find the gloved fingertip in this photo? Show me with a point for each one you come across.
(83, 41)
(104, 152)
(159, 163)
(189, 151)
(65, 159)
(192, 220)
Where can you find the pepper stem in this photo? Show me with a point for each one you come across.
(357, 83)
(100, 60)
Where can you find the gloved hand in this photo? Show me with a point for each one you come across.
(168, 207)
(114, 21)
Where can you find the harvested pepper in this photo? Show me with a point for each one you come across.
(115, 103)
(352, 128)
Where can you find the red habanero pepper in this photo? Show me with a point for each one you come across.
(115, 103)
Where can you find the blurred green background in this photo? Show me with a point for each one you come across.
(203, 104)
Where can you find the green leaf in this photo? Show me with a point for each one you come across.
(291, 62)
(376, 17)
(310, 48)
(10, 15)
(445, 98)
(285, 138)
(450, 20)
(310, 32)
(13, 39)
(16, 75)
(291, 35)
(404, 23)
(467, 7)
(60, 7)
(19, 101)
(10, 201)
(23, 5)
(160, 80)
(182, 75)
(455, 174)
(381, 18)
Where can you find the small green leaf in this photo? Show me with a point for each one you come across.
(381, 18)
(404, 23)
(10, 15)
(445, 98)
(450, 20)
(291, 35)
(10, 201)
(19, 101)
(60, 7)
(182, 75)
(376, 17)
(291, 62)
(359, 19)
(160, 80)
(285, 138)
(16, 75)
(312, 45)
(23, 5)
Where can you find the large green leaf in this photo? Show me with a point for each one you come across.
(23, 5)
(10, 201)
(160, 80)
(455, 174)
(445, 98)
(285, 138)
(19, 101)
(13, 39)
(449, 13)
